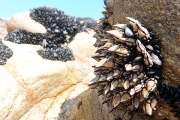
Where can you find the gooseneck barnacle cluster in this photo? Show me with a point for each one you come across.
(129, 68)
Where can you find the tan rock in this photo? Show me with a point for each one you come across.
(3, 27)
(24, 22)
(32, 88)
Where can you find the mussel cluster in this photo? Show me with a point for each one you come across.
(58, 24)
(5, 53)
(129, 68)
(129, 64)
(62, 53)
(171, 95)
(22, 36)
(61, 28)
(87, 23)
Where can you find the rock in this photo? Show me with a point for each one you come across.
(163, 18)
(3, 27)
(33, 88)
(24, 22)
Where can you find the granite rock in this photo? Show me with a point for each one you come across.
(33, 88)
(24, 22)
(3, 27)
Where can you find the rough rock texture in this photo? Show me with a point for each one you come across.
(3, 27)
(32, 88)
(21, 20)
(163, 17)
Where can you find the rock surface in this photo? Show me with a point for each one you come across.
(33, 88)
(3, 27)
(24, 22)
(163, 18)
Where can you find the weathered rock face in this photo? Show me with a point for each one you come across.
(32, 88)
(163, 18)
(24, 22)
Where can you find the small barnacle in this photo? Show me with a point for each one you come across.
(120, 26)
(136, 102)
(147, 107)
(117, 33)
(154, 102)
(133, 23)
(143, 32)
(116, 100)
(125, 97)
(145, 93)
(126, 84)
(151, 84)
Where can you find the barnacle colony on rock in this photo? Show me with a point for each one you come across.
(128, 68)
(61, 28)
(129, 64)
(5, 53)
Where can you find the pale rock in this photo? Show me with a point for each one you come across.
(24, 22)
(32, 88)
(3, 27)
